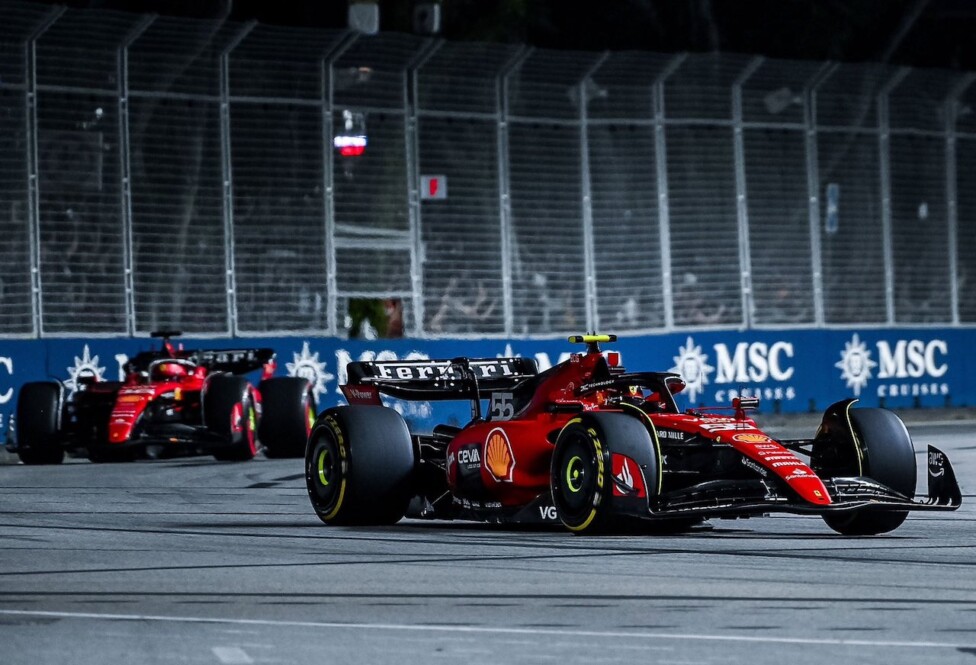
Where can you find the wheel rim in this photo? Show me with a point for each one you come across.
(324, 466)
(574, 474)
(575, 479)
(251, 426)
(325, 475)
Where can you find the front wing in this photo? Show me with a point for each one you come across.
(732, 498)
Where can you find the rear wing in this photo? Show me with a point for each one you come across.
(429, 380)
(233, 361)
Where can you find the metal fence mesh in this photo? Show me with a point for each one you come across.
(165, 172)
(779, 227)
(15, 275)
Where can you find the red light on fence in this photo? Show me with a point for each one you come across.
(350, 146)
(352, 150)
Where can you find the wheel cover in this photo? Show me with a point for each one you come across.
(324, 465)
(251, 426)
(326, 474)
(574, 474)
(575, 480)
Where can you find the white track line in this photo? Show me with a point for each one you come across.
(490, 630)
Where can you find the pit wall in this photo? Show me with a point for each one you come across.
(791, 371)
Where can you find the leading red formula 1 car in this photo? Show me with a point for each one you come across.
(172, 402)
(588, 444)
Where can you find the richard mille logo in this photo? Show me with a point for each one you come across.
(855, 364)
(692, 364)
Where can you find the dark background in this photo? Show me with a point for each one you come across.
(927, 33)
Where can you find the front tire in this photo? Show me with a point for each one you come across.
(580, 478)
(288, 413)
(38, 418)
(230, 413)
(888, 456)
(359, 466)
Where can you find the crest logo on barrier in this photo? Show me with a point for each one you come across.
(307, 365)
(86, 365)
(855, 364)
(692, 364)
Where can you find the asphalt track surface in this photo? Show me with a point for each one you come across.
(193, 561)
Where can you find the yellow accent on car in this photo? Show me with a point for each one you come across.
(321, 466)
(573, 474)
(590, 339)
(341, 444)
(857, 445)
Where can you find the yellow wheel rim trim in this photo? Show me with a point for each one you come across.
(573, 474)
(321, 467)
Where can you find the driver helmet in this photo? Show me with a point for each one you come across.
(171, 370)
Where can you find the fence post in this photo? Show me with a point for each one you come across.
(884, 164)
(951, 107)
(586, 198)
(663, 205)
(504, 181)
(741, 202)
(33, 191)
(228, 175)
(328, 179)
(813, 185)
(125, 170)
(410, 101)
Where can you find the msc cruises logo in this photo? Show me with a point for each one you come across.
(692, 364)
(86, 365)
(855, 365)
(306, 365)
(905, 367)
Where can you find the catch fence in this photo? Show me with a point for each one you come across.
(160, 172)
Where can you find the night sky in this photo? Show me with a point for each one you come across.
(928, 33)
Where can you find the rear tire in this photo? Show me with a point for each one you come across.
(38, 417)
(288, 413)
(889, 458)
(229, 412)
(359, 466)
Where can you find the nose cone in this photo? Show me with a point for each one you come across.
(129, 405)
(811, 488)
(119, 430)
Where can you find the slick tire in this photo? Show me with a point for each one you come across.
(889, 458)
(38, 416)
(287, 416)
(360, 466)
(230, 413)
(581, 472)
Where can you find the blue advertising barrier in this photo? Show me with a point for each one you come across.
(789, 370)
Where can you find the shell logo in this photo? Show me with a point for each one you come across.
(751, 438)
(498, 456)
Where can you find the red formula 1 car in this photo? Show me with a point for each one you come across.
(588, 444)
(172, 402)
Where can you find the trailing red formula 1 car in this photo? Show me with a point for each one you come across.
(588, 444)
(172, 402)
